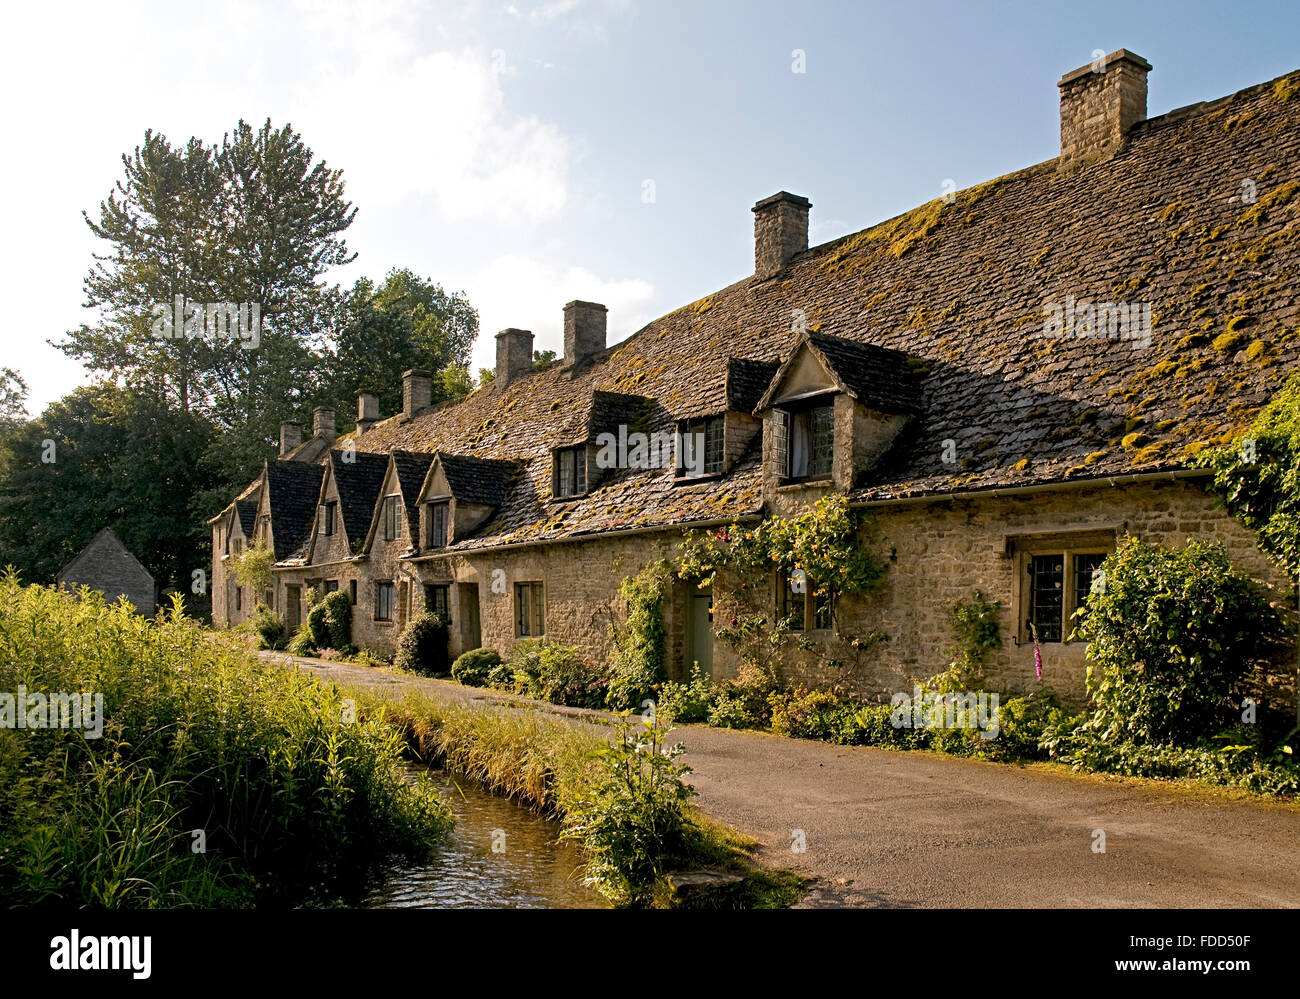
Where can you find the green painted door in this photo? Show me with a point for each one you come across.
(699, 645)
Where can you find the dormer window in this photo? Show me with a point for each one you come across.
(570, 471)
(702, 447)
(436, 536)
(805, 439)
(392, 515)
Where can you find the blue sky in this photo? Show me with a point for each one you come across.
(503, 147)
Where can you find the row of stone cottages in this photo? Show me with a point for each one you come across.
(908, 366)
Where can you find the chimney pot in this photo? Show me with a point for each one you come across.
(290, 436)
(322, 422)
(584, 330)
(1100, 102)
(417, 391)
(367, 411)
(514, 356)
(780, 231)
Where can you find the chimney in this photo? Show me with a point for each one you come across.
(367, 411)
(417, 391)
(584, 330)
(780, 231)
(322, 422)
(290, 436)
(514, 356)
(1100, 102)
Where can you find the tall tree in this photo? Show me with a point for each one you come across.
(404, 322)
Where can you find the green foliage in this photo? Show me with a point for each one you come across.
(631, 819)
(1257, 476)
(637, 662)
(974, 624)
(560, 674)
(806, 714)
(292, 795)
(330, 622)
(268, 628)
(745, 701)
(1171, 637)
(252, 567)
(688, 701)
(303, 643)
(422, 647)
(473, 668)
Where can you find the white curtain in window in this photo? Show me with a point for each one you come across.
(799, 445)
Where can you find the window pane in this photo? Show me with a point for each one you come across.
(823, 437)
(580, 471)
(713, 447)
(1085, 567)
(538, 613)
(1047, 595)
(521, 610)
(823, 606)
(793, 604)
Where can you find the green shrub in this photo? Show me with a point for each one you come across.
(475, 666)
(422, 647)
(560, 674)
(302, 644)
(807, 714)
(1171, 637)
(637, 662)
(292, 794)
(268, 628)
(744, 702)
(689, 701)
(329, 622)
(632, 820)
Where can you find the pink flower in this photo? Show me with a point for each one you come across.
(1038, 661)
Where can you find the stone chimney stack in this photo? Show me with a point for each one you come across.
(367, 411)
(780, 231)
(584, 330)
(322, 422)
(1100, 102)
(417, 391)
(514, 356)
(290, 436)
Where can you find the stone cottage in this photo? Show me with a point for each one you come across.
(108, 566)
(1010, 378)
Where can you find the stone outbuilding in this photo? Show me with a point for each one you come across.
(107, 566)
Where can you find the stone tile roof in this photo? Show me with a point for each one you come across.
(294, 487)
(358, 477)
(883, 379)
(961, 287)
(747, 381)
(478, 480)
(246, 510)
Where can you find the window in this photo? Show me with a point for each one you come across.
(392, 515)
(437, 525)
(1046, 596)
(530, 618)
(805, 441)
(708, 434)
(263, 528)
(437, 601)
(352, 591)
(327, 518)
(238, 545)
(239, 598)
(571, 471)
(1057, 573)
(383, 601)
(331, 585)
(802, 606)
(220, 532)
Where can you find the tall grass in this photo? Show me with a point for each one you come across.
(218, 781)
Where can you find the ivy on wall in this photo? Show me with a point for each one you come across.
(829, 545)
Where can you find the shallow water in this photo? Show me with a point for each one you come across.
(529, 869)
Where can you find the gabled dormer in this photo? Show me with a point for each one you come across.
(286, 508)
(615, 435)
(349, 489)
(715, 432)
(833, 408)
(395, 520)
(459, 495)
